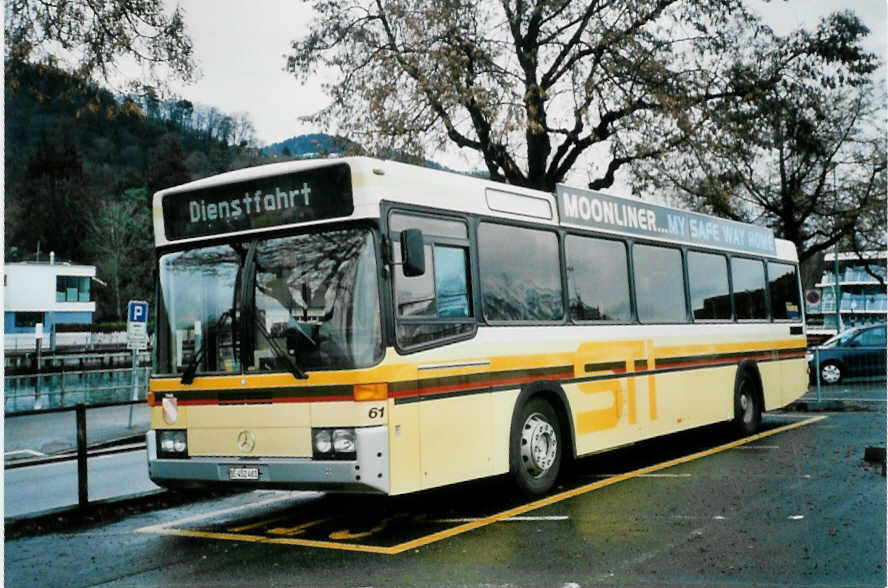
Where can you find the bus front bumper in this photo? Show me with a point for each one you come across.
(368, 472)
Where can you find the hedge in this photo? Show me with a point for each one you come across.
(95, 327)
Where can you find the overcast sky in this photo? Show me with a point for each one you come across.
(240, 46)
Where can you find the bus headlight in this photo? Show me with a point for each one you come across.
(344, 440)
(172, 443)
(323, 443)
(334, 444)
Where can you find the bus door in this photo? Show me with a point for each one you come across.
(433, 307)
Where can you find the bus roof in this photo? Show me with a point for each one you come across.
(314, 191)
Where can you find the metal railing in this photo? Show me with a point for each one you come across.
(848, 374)
(68, 388)
(82, 450)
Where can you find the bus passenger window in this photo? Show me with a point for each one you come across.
(783, 285)
(598, 280)
(710, 295)
(749, 288)
(659, 284)
(520, 274)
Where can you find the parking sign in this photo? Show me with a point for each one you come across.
(137, 312)
(137, 324)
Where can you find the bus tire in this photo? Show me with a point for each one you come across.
(536, 447)
(747, 404)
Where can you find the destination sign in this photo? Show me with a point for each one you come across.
(633, 217)
(314, 194)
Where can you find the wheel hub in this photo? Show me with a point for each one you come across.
(746, 407)
(830, 373)
(539, 445)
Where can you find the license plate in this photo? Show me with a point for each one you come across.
(243, 473)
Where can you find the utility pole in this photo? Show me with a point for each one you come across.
(838, 290)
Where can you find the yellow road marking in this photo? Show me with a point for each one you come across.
(166, 528)
(261, 523)
(347, 534)
(298, 529)
(594, 486)
(162, 527)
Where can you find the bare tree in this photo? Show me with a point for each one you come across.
(89, 37)
(119, 231)
(805, 156)
(536, 88)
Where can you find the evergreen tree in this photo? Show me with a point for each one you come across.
(53, 203)
(167, 166)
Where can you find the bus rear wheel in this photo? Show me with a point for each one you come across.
(747, 407)
(536, 447)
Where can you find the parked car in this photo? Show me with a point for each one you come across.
(853, 353)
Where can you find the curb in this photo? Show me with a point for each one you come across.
(818, 406)
(137, 438)
(102, 510)
(75, 509)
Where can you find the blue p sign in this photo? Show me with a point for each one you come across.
(137, 312)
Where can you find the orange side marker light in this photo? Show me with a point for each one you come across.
(363, 392)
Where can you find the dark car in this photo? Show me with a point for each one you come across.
(857, 352)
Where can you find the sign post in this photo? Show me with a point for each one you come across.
(136, 339)
(38, 340)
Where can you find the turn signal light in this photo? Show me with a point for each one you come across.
(370, 392)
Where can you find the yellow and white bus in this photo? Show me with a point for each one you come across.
(361, 325)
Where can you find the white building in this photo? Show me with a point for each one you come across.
(863, 298)
(45, 292)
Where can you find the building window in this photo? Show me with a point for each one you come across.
(72, 289)
(28, 319)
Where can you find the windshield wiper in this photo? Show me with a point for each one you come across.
(191, 368)
(294, 369)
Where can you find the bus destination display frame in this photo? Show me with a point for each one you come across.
(309, 195)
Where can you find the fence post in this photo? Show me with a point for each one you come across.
(135, 380)
(82, 479)
(37, 378)
(62, 376)
(817, 370)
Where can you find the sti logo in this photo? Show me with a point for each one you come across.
(137, 312)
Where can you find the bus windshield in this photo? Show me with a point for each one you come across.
(294, 303)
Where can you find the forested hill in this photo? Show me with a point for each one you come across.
(81, 161)
(313, 145)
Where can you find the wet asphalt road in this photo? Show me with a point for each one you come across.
(800, 507)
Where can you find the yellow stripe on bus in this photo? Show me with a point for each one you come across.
(395, 372)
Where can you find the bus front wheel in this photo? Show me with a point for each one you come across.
(536, 447)
(747, 407)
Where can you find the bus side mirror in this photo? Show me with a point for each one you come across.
(412, 253)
